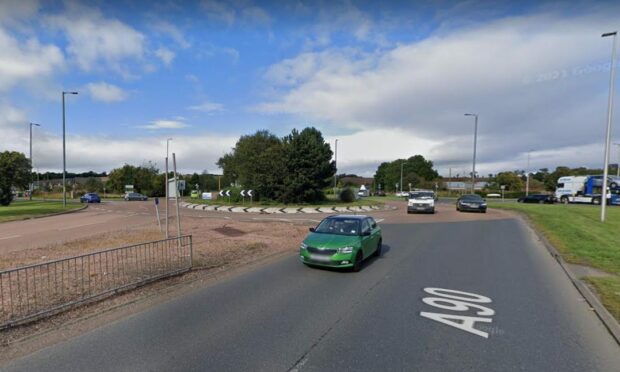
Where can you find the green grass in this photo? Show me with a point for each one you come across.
(578, 234)
(19, 210)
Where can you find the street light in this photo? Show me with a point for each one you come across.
(402, 162)
(166, 166)
(527, 175)
(473, 171)
(610, 105)
(64, 153)
(31, 162)
(336, 166)
(618, 164)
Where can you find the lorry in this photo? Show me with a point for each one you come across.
(586, 189)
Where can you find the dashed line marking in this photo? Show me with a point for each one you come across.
(10, 237)
(74, 227)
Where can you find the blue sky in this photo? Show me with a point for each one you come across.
(388, 79)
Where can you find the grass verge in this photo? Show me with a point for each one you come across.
(577, 233)
(19, 210)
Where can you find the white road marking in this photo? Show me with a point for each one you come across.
(379, 220)
(453, 300)
(74, 227)
(10, 237)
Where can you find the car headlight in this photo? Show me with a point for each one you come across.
(483, 204)
(345, 250)
(303, 246)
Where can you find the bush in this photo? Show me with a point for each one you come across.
(346, 196)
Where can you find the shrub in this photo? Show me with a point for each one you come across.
(346, 196)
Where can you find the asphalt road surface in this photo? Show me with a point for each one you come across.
(520, 313)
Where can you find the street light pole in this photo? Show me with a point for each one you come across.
(64, 153)
(401, 176)
(31, 162)
(166, 169)
(527, 175)
(618, 164)
(336, 166)
(610, 105)
(473, 171)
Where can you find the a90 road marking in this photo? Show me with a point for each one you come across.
(450, 299)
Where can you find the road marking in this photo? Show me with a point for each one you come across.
(450, 299)
(74, 227)
(10, 237)
(379, 220)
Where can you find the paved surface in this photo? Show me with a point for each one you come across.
(285, 316)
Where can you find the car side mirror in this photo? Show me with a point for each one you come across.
(312, 229)
(374, 224)
(366, 233)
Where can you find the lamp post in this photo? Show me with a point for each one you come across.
(402, 162)
(473, 169)
(166, 169)
(527, 174)
(64, 153)
(610, 105)
(618, 164)
(31, 162)
(336, 166)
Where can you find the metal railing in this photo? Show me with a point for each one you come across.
(30, 292)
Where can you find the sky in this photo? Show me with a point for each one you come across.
(387, 79)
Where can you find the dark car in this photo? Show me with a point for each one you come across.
(471, 203)
(134, 196)
(379, 193)
(537, 198)
(90, 197)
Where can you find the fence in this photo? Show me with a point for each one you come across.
(30, 292)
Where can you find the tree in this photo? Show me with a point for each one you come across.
(15, 172)
(93, 184)
(511, 180)
(143, 179)
(417, 171)
(309, 166)
(257, 163)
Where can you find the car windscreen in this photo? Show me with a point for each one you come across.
(472, 198)
(339, 226)
(421, 195)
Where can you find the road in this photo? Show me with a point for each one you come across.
(285, 316)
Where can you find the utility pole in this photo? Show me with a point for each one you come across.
(167, 192)
(618, 164)
(610, 109)
(176, 194)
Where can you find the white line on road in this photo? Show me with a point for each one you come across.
(10, 237)
(379, 220)
(74, 227)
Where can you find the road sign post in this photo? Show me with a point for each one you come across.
(250, 195)
(157, 213)
(503, 187)
(243, 196)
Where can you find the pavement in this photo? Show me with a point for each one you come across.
(458, 292)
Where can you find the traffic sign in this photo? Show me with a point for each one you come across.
(221, 192)
(227, 192)
(243, 193)
(156, 201)
(250, 193)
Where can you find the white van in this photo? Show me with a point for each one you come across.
(569, 186)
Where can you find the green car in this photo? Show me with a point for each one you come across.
(341, 241)
(195, 194)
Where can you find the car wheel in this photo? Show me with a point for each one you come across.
(613, 185)
(564, 200)
(596, 201)
(379, 249)
(357, 265)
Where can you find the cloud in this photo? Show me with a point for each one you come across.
(207, 106)
(165, 54)
(524, 76)
(96, 42)
(178, 123)
(105, 92)
(172, 31)
(26, 61)
(241, 12)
